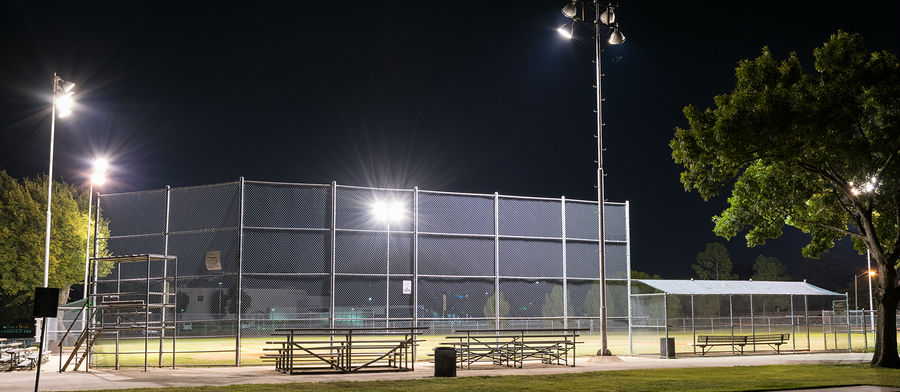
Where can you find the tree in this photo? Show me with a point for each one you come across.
(714, 263)
(490, 303)
(817, 151)
(769, 268)
(22, 219)
(553, 305)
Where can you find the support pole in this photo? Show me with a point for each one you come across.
(731, 320)
(415, 282)
(871, 302)
(849, 337)
(628, 270)
(333, 248)
(564, 272)
(496, 260)
(753, 323)
(693, 327)
(240, 278)
(793, 328)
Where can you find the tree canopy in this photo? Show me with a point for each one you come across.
(814, 150)
(769, 268)
(714, 263)
(22, 218)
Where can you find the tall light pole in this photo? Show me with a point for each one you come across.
(604, 22)
(386, 212)
(62, 100)
(871, 303)
(98, 177)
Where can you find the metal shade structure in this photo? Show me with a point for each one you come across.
(735, 287)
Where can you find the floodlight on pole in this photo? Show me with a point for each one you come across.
(388, 212)
(62, 101)
(603, 22)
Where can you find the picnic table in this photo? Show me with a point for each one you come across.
(344, 350)
(13, 356)
(512, 347)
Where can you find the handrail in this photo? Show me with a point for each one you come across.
(63, 339)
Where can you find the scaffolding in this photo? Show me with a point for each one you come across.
(128, 309)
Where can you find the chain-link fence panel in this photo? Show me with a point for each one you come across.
(205, 207)
(530, 217)
(286, 205)
(616, 258)
(401, 297)
(441, 298)
(530, 258)
(583, 260)
(141, 244)
(280, 251)
(207, 252)
(360, 297)
(534, 298)
(456, 256)
(135, 212)
(401, 257)
(581, 220)
(614, 222)
(361, 253)
(455, 214)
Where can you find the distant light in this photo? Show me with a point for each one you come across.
(616, 37)
(872, 273)
(570, 10)
(566, 30)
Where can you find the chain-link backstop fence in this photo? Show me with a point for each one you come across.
(254, 256)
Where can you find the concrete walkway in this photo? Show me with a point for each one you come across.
(51, 380)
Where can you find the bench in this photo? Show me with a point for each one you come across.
(512, 347)
(343, 350)
(707, 342)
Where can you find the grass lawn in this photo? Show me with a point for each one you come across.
(745, 378)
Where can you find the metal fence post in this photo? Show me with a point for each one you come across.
(240, 275)
(333, 249)
(496, 260)
(564, 273)
(628, 269)
(693, 327)
(415, 282)
(752, 323)
(731, 320)
(849, 337)
(165, 290)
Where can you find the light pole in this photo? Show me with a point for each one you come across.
(98, 178)
(62, 99)
(387, 212)
(604, 22)
(871, 303)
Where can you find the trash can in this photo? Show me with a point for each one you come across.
(444, 362)
(667, 347)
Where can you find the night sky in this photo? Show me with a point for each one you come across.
(458, 96)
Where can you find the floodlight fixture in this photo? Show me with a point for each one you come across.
(570, 10)
(385, 211)
(608, 17)
(566, 30)
(616, 37)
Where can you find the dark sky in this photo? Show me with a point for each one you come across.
(461, 96)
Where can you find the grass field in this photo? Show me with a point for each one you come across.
(220, 351)
(754, 378)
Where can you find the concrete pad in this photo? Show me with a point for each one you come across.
(51, 380)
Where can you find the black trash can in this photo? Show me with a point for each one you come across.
(667, 347)
(444, 362)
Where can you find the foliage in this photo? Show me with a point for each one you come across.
(22, 227)
(491, 302)
(714, 263)
(769, 269)
(801, 149)
(553, 304)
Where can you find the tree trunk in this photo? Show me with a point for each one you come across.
(64, 294)
(886, 298)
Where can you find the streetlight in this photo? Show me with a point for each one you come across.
(870, 273)
(387, 212)
(604, 23)
(62, 100)
(98, 178)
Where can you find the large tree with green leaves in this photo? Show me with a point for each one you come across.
(769, 268)
(22, 218)
(814, 150)
(714, 263)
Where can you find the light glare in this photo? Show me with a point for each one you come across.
(98, 179)
(388, 212)
(565, 31)
(64, 104)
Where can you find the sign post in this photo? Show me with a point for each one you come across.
(46, 300)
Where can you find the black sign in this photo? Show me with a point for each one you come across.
(46, 299)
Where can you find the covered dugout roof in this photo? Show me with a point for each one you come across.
(737, 287)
